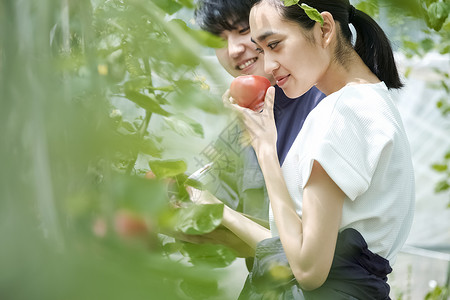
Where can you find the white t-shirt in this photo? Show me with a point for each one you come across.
(357, 136)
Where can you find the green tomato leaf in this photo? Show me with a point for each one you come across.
(193, 290)
(203, 37)
(427, 44)
(216, 256)
(369, 7)
(184, 126)
(447, 156)
(137, 194)
(147, 102)
(128, 126)
(167, 168)
(312, 13)
(439, 167)
(290, 2)
(207, 39)
(137, 83)
(151, 146)
(199, 219)
(441, 186)
(169, 6)
(437, 14)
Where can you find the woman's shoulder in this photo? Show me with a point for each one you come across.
(368, 100)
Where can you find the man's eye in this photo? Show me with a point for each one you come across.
(259, 50)
(273, 45)
(244, 30)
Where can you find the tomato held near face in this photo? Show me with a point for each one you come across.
(249, 90)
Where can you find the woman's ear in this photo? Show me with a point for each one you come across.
(328, 29)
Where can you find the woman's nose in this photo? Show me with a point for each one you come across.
(270, 64)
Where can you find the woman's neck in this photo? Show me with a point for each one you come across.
(337, 75)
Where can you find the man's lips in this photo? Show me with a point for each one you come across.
(244, 64)
(281, 80)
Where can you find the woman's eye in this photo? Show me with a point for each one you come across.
(259, 50)
(273, 45)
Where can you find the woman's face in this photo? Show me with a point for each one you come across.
(296, 63)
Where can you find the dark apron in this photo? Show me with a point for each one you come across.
(356, 273)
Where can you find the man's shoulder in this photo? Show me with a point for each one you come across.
(312, 94)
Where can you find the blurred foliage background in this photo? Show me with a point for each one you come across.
(86, 86)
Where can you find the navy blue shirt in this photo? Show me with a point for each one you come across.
(243, 173)
(290, 114)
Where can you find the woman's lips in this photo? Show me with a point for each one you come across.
(281, 80)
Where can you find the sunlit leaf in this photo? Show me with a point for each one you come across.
(169, 6)
(312, 13)
(437, 14)
(151, 146)
(369, 7)
(290, 2)
(439, 167)
(442, 186)
(203, 37)
(199, 219)
(167, 168)
(148, 102)
(184, 126)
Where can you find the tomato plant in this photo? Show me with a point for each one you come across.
(249, 90)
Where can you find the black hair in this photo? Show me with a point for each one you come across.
(372, 44)
(216, 16)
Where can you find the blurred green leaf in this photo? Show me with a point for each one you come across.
(437, 14)
(169, 6)
(216, 256)
(167, 168)
(198, 293)
(137, 194)
(184, 126)
(147, 102)
(203, 37)
(427, 44)
(199, 218)
(442, 186)
(439, 167)
(137, 83)
(151, 146)
(369, 7)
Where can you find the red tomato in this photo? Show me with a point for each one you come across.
(128, 224)
(249, 90)
(150, 175)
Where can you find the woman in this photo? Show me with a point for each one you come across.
(342, 203)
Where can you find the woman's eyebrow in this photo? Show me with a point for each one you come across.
(264, 36)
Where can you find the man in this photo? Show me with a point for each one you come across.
(240, 184)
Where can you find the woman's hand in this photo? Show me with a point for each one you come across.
(260, 126)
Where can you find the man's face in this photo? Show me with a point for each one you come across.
(239, 56)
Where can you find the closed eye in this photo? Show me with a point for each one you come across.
(244, 30)
(259, 50)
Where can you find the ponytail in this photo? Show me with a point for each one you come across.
(374, 48)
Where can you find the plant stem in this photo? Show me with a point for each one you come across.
(141, 134)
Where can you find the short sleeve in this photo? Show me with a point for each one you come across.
(350, 144)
